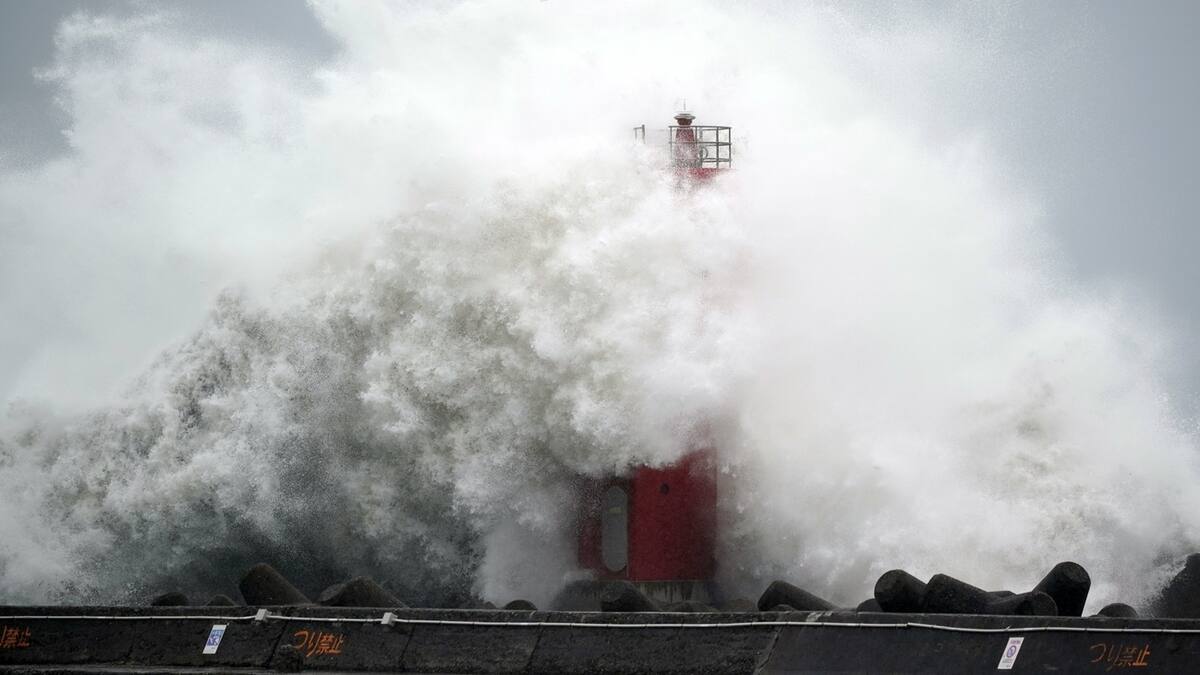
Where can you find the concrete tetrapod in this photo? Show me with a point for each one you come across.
(262, 585)
(1180, 598)
(623, 596)
(358, 592)
(221, 600)
(1034, 603)
(172, 599)
(581, 595)
(689, 606)
(869, 605)
(899, 591)
(947, 595)
(1068, 583)
(1118, 610)
(783, 593)
(738, 605)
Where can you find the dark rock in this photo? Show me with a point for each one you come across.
(783, 593)
(172, 599)
(1118, 610)
(899, 591)
(1180, 598)
(869, 605)
(781, 608)
(262, 585)
(1034, 603)
(1068, 584)
(622, 596)
(523, 605)
(947, 595)
(358, 592)
(486, 604)
(1002, 594)
(221, 600)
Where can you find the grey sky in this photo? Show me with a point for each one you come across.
(30, 124)
(1095, 109)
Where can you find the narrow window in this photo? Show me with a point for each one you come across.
(614, 529)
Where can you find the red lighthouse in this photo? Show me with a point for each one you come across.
(656, 526)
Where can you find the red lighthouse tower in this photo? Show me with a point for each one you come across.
(656, 526)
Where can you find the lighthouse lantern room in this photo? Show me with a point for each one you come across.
(697, 151)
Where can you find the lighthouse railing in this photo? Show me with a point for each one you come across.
(702, 146)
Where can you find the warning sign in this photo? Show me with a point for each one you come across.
(214, 638)
(1010, 653)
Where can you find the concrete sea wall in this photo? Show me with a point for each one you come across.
(184, 639)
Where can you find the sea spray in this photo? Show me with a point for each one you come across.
(448, 383)
(464, 288)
